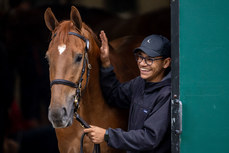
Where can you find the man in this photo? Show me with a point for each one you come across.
(147, 97)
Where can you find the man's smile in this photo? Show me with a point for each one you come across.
(144, 70)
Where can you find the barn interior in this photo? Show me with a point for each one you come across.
(24, 40)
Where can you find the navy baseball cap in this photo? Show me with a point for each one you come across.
(155, 45)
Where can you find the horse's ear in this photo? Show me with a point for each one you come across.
(75, 17)
(50, 19)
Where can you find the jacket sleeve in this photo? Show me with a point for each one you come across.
(156, 126)
(115, 93)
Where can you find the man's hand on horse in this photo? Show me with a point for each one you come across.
(96, 134)
(104, 50)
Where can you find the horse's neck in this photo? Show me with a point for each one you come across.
(92, 99)
(94, 82)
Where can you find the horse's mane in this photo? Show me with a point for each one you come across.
(92, 34)
(98, 42)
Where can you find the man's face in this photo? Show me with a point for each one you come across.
(150, 69)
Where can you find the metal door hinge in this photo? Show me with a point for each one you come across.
(176, 124)
(176, 116)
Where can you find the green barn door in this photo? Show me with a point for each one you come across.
(203, 46)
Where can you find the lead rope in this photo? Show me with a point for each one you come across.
(85, 125)
(96, 146)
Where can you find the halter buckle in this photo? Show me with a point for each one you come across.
(89, 66)
(76, 102)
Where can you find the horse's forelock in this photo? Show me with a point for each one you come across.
(63, 29)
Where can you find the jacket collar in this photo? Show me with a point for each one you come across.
(151, 86)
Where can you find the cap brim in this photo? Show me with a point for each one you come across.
(147, 51)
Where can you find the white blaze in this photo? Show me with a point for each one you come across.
(61, 48)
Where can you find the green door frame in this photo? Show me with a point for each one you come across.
(200, 76)
(176, 105)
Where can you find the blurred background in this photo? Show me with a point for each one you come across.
(24, 39)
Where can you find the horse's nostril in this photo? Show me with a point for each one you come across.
(64, 111)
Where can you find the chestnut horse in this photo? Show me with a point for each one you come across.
(72, 53)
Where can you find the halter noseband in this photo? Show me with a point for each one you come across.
(78, 85)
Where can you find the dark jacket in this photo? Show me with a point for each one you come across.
(149, 113)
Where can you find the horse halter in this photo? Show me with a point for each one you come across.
(78, 85)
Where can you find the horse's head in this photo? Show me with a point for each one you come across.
(68, 65)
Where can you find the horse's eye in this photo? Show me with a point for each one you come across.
(78, 58)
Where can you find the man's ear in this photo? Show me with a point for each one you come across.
(167, 62)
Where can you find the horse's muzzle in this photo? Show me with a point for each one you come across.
(59, 117)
